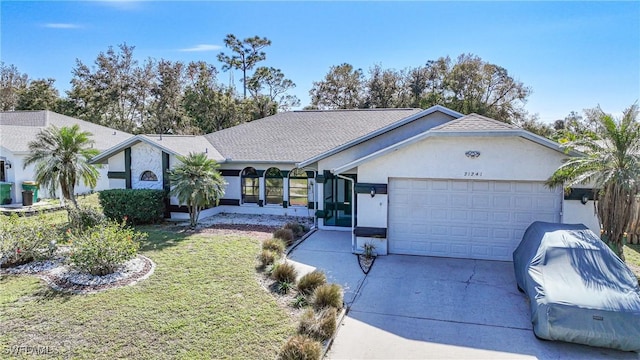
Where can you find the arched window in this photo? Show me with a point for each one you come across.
(298, 188)
(273, 186)
(148, 176)
(250, 186)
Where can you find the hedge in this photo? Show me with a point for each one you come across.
(140, 206)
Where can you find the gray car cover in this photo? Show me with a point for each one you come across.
(579, 290)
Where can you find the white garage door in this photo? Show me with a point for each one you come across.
(466, 219)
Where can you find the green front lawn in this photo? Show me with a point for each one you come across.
(203, 301)
(632, 258)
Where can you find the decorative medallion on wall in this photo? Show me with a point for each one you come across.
(472, 154)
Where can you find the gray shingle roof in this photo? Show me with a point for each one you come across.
(474, 122)
(299, 135)
(185, 144)
(18, 128)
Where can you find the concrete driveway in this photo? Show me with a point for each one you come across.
(411, 307)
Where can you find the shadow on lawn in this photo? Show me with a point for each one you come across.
(162, 236)
(46, 294)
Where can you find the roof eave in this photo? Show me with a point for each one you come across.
(104, 156)
(230, 161)
(380, 131)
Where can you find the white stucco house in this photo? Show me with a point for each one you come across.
(411, 181)
(18, 128)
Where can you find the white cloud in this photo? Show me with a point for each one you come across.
(203, 47)
(62, 26)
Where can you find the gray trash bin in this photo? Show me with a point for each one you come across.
(27, 198)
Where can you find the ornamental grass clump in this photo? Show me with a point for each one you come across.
(275, 245)
(309, 282)
(103, 249)
(319, 326)
(266, 258)
(327, 295)
(297, 229)
(25, 240)
(300, 347)
(284, 272)
(285, 234)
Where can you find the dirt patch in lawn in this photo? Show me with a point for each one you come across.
(260, 232)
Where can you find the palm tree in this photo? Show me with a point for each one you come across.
(197, 183)
(611, 162)
(61, 157)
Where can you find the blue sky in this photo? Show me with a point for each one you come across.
(574, 55)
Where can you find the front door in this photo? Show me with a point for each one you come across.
(338, 202)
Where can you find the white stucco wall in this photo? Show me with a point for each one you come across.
(574, 212)
(145, 157)
(512, 159)
(116, 162)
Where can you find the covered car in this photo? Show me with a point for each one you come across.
(579, 290)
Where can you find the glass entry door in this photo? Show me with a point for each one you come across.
(338, 202)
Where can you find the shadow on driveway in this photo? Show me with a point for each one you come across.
(412, 307)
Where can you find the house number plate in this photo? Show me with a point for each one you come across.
(473, 173)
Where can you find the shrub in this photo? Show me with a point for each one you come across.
(285, 234)
(284, 272)
(284, 287)
(275, 245)
(300, 347)
(320, 326)
(24, 240)
(101, 250)
(297, 229)
(139, 206)
(309, 282)
(85, 217)
(327, 295)
(266, 257)
(299, 301)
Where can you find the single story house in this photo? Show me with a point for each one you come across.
(410, 181)
(18, 128)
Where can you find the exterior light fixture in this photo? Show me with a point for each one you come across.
(373, 191)
(584, 199)
(7, 164)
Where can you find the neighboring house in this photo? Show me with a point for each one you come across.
(411, 181)
(18, 128)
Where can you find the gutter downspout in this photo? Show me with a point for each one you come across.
(353, 211)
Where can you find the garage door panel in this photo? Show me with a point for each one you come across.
(437, 200)
(501, 217)
(459, 215)
(468, 219)
(501, 201)
(436, 184)
(459, 200)
(481, 201)
(481, 216)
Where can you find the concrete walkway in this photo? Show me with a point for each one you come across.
(411, 307)
(330, 251)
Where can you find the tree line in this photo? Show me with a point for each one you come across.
(158, 96)
(173, 97)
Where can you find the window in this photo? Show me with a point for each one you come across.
(148, 176)
(273, 186)
(298, 188)
(250, 186)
